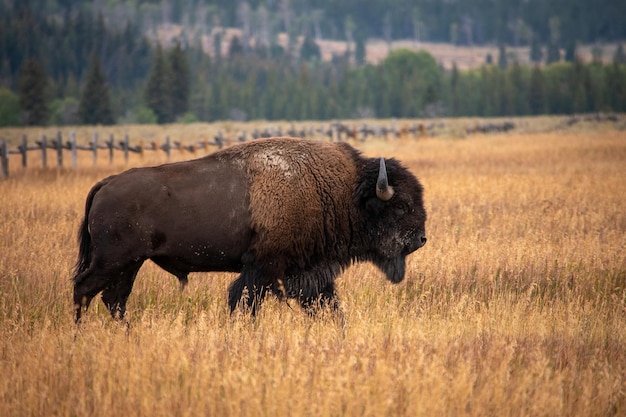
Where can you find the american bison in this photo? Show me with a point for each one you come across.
(287, 214)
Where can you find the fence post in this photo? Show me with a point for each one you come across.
(110, 145)
(4, 157)
(73, 149)
(59, 149)
(23, 150)
(44, 151)
(126, 149)
(95, 148)
(167, 147)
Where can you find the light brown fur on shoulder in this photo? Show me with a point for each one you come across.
(300, 194)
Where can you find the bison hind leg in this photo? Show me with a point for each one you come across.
(116, 294)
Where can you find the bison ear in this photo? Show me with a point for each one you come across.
(384, 191)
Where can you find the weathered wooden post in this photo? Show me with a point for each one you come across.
(73, 149)
(167, 147)
(23, 150)
(4, 159)
(110, 146)
(59, 149)
(94, 143)
(126, 148)
(44, 151)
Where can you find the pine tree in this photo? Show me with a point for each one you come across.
(536, 55)
(619, 57)
(95, 102)
(236, 47)
(554, 54)
(360, 52)
(157, 93)
(310, 50)
(32, 85)
(570, 51)
(502, 59)
(180, 81)
(536, 94)
(9, 108)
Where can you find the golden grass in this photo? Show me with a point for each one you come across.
(516, 306)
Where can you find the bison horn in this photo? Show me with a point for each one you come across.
(384, 191)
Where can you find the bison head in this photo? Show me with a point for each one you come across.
(395, 216)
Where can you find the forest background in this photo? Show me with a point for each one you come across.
(130, 61)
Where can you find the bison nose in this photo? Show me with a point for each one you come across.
(422, 240)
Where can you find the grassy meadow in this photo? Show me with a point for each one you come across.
(516, 306)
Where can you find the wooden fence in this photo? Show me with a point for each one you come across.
(56, 146)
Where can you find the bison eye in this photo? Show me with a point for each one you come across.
(402, 208)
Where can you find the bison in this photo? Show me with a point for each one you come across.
(287, 214)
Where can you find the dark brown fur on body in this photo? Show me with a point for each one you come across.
(287, 214)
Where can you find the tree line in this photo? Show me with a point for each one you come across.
(512, 22)
(97, 73)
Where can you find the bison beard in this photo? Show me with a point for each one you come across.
(393, 268)
(287, 214)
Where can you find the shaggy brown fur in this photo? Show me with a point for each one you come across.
(288, 214)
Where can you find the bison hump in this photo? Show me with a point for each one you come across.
(300, 194)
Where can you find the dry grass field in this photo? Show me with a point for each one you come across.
(515, 307)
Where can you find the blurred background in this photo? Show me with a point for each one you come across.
(162, 61)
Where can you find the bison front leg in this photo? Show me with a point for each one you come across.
(313, 300)
(249, 288)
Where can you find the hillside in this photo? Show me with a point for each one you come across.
(446, 54)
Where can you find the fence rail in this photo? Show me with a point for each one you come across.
(336, 131)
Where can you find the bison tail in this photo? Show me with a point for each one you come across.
(84, 237)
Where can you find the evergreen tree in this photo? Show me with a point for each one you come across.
(95, 102)
(554, 53)
(157, 94)
(616, 86)
(359, 50)
(236, 47)
(310, 50)
(502, 60)
(32, 85)
(536, 95)
(180, 81)
(454, 91)
(570, 51)
(9, 108)
(620, 56)
(536, 55)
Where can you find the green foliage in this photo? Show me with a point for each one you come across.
(536, 54)
(157, 93)
(144, 115)
(167, 92)
(310, 51)
(188, 118)
(359, 50)
(9, 108)
(32, 84)
(180, 80)
(619, 57)
(65, 111)
(95, 102)
(410, 81)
